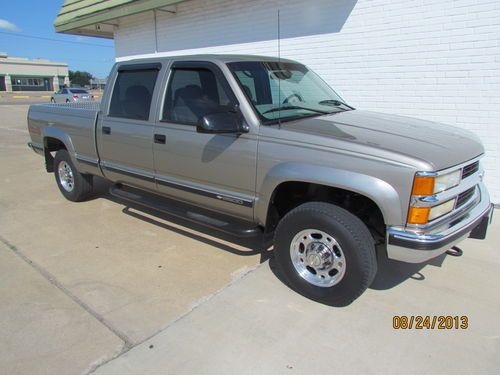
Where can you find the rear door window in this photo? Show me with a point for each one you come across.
(132, 94)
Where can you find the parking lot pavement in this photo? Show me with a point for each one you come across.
(259, 326)
(42, 330)
(27, 98)
(177, 299)
(133, 272)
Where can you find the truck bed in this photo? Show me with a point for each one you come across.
(73, 123)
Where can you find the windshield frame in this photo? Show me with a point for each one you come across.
(266, 121)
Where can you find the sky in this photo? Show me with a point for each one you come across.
(27, 30)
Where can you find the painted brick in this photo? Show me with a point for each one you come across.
(437, 60)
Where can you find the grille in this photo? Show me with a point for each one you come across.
(470, 169)
(465, 196)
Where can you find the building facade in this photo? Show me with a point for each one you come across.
(436, 60)
(20, 74)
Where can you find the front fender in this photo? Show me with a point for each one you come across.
(379, 191)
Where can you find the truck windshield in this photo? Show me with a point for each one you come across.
(285, 91)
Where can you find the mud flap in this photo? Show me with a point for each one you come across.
(479, 232)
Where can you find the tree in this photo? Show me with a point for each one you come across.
(80, 78)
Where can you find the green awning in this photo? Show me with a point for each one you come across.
(91, 17)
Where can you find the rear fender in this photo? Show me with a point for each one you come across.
(50, 132)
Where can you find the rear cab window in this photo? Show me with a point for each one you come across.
(133, 91)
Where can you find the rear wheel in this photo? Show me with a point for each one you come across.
(325, 253)
(73, 185)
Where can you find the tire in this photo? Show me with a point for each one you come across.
(67, 100)
(75, 186)
(325, 253)
(52, 100)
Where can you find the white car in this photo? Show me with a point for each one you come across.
(68, 95)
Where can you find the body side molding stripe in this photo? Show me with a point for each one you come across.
(189, 189)
(127, 173)
(206, 193)
(87, 161)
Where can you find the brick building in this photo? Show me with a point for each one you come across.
(437, 60)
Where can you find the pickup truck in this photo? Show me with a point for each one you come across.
(255, 145)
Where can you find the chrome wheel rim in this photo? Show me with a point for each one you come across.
(66, 176)
(318, 258)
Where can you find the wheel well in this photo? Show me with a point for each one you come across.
(289, 195)
(51, 145)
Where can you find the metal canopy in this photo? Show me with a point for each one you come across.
(99, 17)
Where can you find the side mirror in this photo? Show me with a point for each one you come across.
(223, 122)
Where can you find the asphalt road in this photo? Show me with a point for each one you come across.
(28, 98)
(102, 287)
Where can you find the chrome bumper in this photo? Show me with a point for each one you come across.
(412, 247)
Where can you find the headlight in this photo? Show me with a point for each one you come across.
(447, 181)
(442, 209)
(422, 215)
(429, 185)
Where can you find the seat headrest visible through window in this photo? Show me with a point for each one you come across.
(188, 93)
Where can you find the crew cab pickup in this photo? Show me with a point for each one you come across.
(256, 145)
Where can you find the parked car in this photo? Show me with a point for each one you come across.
(255, 145)
(69, 95)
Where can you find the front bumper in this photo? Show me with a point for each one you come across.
(414, 247)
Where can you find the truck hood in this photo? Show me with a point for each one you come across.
(439, 145)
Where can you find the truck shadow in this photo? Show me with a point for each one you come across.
(390, 273)
(258, 245)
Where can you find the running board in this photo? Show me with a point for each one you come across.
(183, 211)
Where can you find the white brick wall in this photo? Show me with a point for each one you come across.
(437, 60)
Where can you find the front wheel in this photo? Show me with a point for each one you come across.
(325, 253)
(73, 185)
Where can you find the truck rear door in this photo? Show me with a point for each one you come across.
(125, 131)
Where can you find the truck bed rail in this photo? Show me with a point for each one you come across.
(88, 105)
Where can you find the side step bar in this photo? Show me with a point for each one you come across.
(183, 211)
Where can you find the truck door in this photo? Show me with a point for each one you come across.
(125, 132)
(216, 171)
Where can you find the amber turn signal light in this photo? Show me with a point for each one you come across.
(423, 185)
(418, 215)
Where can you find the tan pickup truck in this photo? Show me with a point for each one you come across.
(255, 145)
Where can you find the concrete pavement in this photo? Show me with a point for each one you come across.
(131, 271)
(259, 326)
(101, 286)
(43, 331)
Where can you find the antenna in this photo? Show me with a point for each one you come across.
(279, 67)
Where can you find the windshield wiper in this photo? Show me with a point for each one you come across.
(284, 108)
(335, 102)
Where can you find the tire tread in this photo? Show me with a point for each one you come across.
(356, 228)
